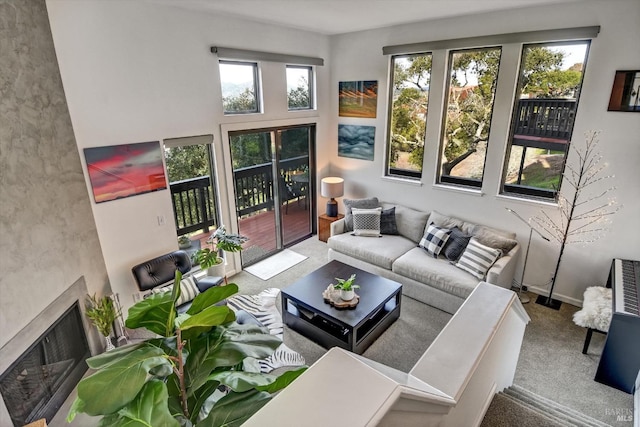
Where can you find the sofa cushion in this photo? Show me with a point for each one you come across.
(494, 238)
(477, 258)
(434, 239)
(381, 252)
(411, 223)
(356, 203)
(366, 222)
(416, 264)
(388, 223)
(456, 244)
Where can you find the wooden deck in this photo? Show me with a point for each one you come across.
(261, 231)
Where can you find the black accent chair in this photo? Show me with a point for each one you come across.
(161, 270)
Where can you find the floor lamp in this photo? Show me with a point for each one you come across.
(525, 298)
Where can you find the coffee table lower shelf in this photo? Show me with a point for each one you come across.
(330, 332)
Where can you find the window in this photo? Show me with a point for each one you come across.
(549, 85)
(411, 75)
(473, 75)
(240, 88)
(299, 87)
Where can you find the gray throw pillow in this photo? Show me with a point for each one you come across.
(370, 203)
(493, 238)
(456, 244)
(388, 221)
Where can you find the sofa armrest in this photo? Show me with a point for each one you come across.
(337, 227)
(503, 271)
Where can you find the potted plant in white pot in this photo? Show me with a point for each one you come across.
(220, 241)
(102, 312)
(347, 287)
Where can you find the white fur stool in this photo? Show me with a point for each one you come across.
(595, 314)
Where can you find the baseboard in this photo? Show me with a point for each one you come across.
(563, 298)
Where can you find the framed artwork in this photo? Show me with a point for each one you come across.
(356, 142)
(358, 99)
(625, 94)
(119, 171)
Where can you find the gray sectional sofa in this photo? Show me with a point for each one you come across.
(434, 281)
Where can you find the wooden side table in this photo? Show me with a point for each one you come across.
(324, 225)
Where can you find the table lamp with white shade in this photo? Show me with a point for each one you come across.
(332, 187)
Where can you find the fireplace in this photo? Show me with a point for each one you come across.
(43, 363)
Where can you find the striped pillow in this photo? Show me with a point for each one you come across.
(366, 222)
(477, 258)
(188, 290)
(434, 239)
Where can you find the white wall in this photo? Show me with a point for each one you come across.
(135, 72)
(358, 56)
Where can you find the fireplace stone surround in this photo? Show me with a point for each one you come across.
(15, 347)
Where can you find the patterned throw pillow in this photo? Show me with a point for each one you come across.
(188, 290)
(477, 258)
(434, 239)
(456, 244)
(388, 221)
(370, 203)
(366, 222)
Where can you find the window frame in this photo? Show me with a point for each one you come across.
(311, 83)
(457, 181)
(390, 172)
(528, 192)
(257, 87)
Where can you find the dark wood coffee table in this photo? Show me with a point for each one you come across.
(305, 311)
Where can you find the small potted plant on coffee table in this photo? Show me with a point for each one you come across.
(346, 287)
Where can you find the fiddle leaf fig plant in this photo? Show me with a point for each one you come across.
(190, 375)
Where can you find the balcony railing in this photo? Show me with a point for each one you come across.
(545, 118)
(193, 202)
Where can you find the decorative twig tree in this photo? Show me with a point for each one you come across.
(583, 216)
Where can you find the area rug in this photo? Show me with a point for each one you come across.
(263, 308)
(276, 264)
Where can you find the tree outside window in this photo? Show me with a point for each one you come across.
(410, 99)
(549, 87)
(471, 92)
(299, 87)
(240, 89)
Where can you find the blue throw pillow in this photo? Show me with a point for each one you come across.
(456, 244)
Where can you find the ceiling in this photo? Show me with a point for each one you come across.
(343, 16)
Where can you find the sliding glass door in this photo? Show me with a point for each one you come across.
(272, 171)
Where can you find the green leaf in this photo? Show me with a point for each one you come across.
(155, 313)
(204, 321)
(283, 380)
(227, 346)
(148, 409)
(109, 357)
(235, 408)
(76, 406)
(240, 381)
(199, 397)
(212, 296)
(175, 290)
(117, 384)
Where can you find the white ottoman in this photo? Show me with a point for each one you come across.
(595, 313)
